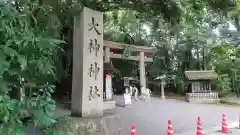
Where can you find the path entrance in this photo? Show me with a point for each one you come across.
(151, 118)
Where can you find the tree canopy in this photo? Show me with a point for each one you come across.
(36, 47)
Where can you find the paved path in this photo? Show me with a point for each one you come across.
(151, 118)
(234, 131)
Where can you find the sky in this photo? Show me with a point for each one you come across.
(231, 27)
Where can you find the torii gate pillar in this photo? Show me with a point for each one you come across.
(142, 71)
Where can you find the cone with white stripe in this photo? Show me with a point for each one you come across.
(238, 120)
(170, 129)
(224, 124)
(199, 127)
(133, 130)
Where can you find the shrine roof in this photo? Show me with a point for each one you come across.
(162, 77)
(201, 75)
(135, 48)
(129, 78)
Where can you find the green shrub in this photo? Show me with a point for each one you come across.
(28, 51)
(223, 85)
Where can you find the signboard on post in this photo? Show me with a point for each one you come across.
(126, 82)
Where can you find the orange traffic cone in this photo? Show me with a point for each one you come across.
(224, 124)
(133, 130)
(238, 120)
(199, 127)
(238, 126)
(170, 129)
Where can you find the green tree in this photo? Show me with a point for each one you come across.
(28, 53)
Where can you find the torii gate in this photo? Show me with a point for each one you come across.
(140, 53)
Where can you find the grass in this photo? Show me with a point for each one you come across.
(175, 96)
(227, 103)
(230, 100)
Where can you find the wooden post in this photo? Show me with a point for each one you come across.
(210, 88)
(162, 89)
(192, 87)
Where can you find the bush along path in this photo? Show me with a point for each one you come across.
(29, 43)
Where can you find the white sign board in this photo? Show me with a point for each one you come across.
(127, 99)
(108, 87)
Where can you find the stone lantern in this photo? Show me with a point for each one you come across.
(162, 78)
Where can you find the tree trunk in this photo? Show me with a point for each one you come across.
(198, 59)
(203, 59)
(236, 23)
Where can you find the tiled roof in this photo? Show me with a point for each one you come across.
(201, 75)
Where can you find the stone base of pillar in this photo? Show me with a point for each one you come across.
(109, 105)
(163, 97)
(141, 90)
(106, 125)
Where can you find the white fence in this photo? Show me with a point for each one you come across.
(202, 97)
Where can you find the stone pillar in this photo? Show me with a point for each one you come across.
(107, 54)
(193, 87)
(162, 89)
(142, 71)
(87, 81)
(210, 89)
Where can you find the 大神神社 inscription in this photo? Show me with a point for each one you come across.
(94, 46)
(94, 92)
(93, 25)
(94, 70)
(87, 87)
(91, 70)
